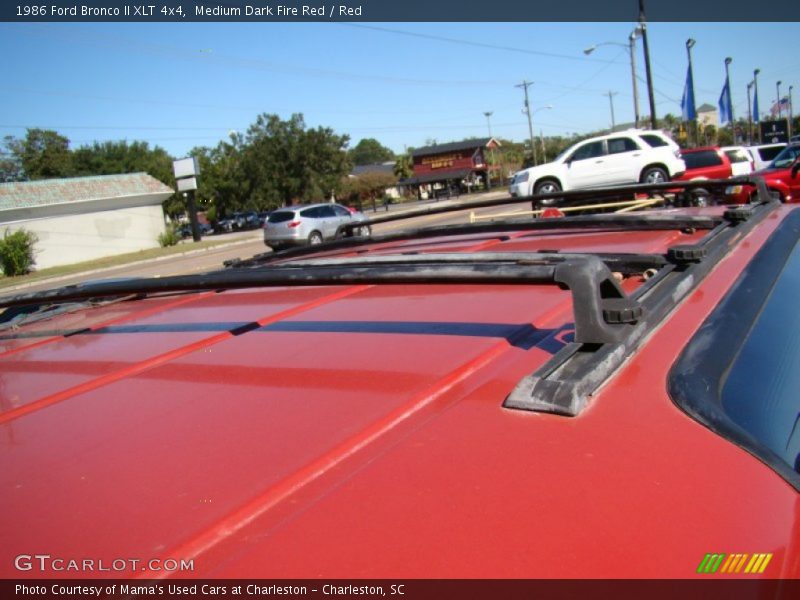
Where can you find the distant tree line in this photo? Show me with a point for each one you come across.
(276, 162)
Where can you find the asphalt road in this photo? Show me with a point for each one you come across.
(247, 244)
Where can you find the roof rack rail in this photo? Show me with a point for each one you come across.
(602, 311)
(564, 384)
(617, 221)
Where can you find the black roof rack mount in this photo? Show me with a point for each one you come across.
(564, 384)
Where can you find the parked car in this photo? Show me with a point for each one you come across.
(710, 162)
(185, 230)
(781, 177)
(227, 224)
(707, 162)
(310, 224)
(616, 159)
(742, 162)
(607, 396)
(764, 154)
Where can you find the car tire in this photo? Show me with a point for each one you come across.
(315, 238)
(654, 175)
(364, 231)
(548, 186)
(701, 197)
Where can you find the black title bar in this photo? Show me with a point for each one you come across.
(408, 10)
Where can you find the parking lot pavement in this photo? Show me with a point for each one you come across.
(239, 244)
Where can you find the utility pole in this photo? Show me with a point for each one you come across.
(632, 47)
(611, 102)
(524, 85)
(778, 91)
(643, 28)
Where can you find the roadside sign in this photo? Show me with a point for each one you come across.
(186, 184)
(774, 132)
(186, 167)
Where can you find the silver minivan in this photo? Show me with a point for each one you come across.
(310, 224)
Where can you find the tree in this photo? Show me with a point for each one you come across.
(43, 154)
(113, 158)
(10, 163)
(286, 163)
(370, 151)
(222, 185)
(367, 186)
(404, 167)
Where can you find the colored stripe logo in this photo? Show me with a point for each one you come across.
(752, 564)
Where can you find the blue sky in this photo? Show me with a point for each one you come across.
(180, 85)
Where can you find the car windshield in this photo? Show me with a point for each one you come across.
(787, 156)
(563, 153)
(737, 155)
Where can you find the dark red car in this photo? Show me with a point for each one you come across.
(602, 396)
(708, 162)
(781, 177)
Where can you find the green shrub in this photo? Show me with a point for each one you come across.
(169, 237)
(16, 252)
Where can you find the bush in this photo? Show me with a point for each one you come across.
(16, 252)
(169, 237)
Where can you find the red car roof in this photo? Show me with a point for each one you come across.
(358, 430)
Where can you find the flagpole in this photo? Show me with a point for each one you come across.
(756, 116)
(728, 61)
(791, 116)
(690, 108)
(778, 91)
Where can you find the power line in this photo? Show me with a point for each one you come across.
(462, 42)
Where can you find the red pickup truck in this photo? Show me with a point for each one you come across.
(781, 177)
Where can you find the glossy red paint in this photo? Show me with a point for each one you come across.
(358, 431)
(784, 181)
(708, 162)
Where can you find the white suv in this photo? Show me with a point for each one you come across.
(626, 157)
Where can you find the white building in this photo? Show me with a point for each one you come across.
(84, 218)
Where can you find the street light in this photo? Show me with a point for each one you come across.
(488, 115)
(749, 114)
(778, 89)
(631, 46)
(756, 116)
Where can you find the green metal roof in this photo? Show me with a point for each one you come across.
(30, 194)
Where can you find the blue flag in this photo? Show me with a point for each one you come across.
(687, 102)
(725, 108)
(755, 105)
